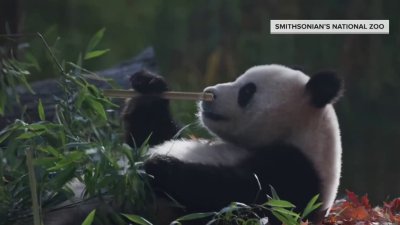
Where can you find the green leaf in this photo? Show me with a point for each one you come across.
(273, 193)
(40, 126)
(64, 176)
(286, 212)
(98, 108)
(95, 40)
(41, 110)
(29, 135)
(50, 150)
(72, 157)
(279, 203)
(195, 216)
(33, 61)
(44, 161)
(137, 219)
(23, 80)
(93, 90)
(3, 101)
(75, 156)
(95, 53)
(89, 219)
(82, 95)
(283, 218)
(311, 206)
(4, 134)
(253, 221)
(240, 205)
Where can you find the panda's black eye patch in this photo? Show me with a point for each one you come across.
(246, 92)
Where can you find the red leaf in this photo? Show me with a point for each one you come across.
(365, 201)
(357, 213)
(353, 198)
(353, 210)
(393, 206)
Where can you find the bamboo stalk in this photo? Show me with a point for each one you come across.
(32, 186)
(194, 96)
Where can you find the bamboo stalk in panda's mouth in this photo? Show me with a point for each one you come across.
(175, 95)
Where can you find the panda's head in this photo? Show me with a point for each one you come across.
(268, 104)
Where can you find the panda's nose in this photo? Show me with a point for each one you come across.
(208, 105)
(211, 90)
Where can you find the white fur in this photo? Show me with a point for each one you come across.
(272, 112)
(201, 151)
(319, 139)
(279, 110)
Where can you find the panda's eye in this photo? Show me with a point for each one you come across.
(246, 92)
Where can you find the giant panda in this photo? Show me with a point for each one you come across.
(272, 126)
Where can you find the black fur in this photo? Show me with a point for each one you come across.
(203, 188)
(148, 115)
(246, 93)
(325, 88)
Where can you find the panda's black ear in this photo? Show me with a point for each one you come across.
(324, 88)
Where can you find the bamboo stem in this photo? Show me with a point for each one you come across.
(32, 186)
(194, 96)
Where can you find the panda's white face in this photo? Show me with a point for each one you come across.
(268, 101)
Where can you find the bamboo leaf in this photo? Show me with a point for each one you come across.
(286, 212)
(89, 219)
(4, 134)
(95, 40)
(195, 216)
(29, 135)
(279, 203)
(311, 206)
(281, 218)
(274, 193)
(98, 108)
(137, 219)
(23, 80)
(41, 110)
(33, 61)
(95, 53)
(3, 101)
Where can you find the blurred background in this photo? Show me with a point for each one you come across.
(198, 43)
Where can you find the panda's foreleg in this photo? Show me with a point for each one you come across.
(200, 187)
(148, 115)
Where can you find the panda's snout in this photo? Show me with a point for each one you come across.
(211, 90)
(211, 109)
(208, 105)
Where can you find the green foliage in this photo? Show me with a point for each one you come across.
(242, 214)
(12, 73)
(91, 52)
(311, 206)
(82, 143)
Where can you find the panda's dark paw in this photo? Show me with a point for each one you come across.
(147, 82)
(161, 167)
